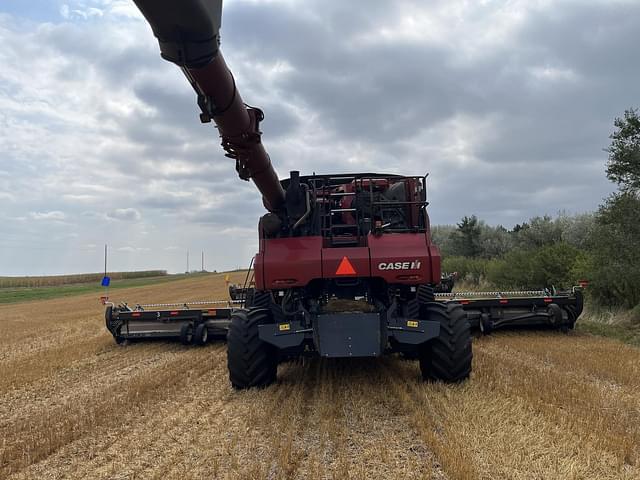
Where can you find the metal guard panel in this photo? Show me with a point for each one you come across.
(349, 335)
(271, 333)
(423, 332)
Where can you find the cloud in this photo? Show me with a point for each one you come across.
(130, 249)
(125, 214)
(53, 215)
(507, 105)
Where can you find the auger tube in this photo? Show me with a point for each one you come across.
(188, 35)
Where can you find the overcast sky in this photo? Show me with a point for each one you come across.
(507, 104)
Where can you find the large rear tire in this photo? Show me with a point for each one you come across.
(258, 299)
(425, 294)
(251, 362)
(447, 357)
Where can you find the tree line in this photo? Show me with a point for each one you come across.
(602, 247)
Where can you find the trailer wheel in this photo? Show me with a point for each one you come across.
(251, 362)
(448, 357)
(202, 334)
(486, 324)
(186, 334)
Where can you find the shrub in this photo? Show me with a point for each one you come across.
(547, 266)
(471, 270)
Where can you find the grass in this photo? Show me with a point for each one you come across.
(625, 333)
(23, 294)
(612, 322)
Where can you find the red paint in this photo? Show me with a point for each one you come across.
(404, 247)
(288, 262)
(294, 262)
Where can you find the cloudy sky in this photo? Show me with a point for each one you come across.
(507, 104)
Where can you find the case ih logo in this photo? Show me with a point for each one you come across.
(415, 265)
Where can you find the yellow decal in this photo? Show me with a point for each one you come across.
(284, 326)
(412, 323)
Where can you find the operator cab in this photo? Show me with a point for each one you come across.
(345, 209)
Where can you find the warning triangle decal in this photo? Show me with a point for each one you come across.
(345, 267)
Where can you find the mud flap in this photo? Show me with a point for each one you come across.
(349, 335)
(282, 335)
(414, 332)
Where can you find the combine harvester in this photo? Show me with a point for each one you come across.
(346, 266)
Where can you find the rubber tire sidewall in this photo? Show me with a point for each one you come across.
(201, 335)
(448, 357)
(186, 334)
(251, 362)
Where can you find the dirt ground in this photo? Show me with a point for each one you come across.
(73, 404)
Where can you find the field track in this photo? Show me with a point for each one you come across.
(75, 405)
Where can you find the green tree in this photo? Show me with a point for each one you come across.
(577, 229)
(624, 152)
(466, 238)
(442, 236)
(537, 232)
(494, 241)
(615, 251)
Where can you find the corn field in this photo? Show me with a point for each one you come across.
(57, 280)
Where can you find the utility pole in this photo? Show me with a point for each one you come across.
(105, 259)
(187, 261)
(202, 269)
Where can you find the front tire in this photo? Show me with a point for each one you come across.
(447, 358)
(251, 362)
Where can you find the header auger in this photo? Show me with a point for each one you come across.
(345, 267)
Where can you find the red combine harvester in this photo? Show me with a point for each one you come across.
(345, 267)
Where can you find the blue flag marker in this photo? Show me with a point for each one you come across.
(105, 281)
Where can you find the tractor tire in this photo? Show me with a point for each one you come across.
(201, 335)
(425, 294)
(447, 358)
(186, 334)
(258, 299)
(251, 362)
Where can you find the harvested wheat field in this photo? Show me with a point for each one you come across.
(75, 405)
